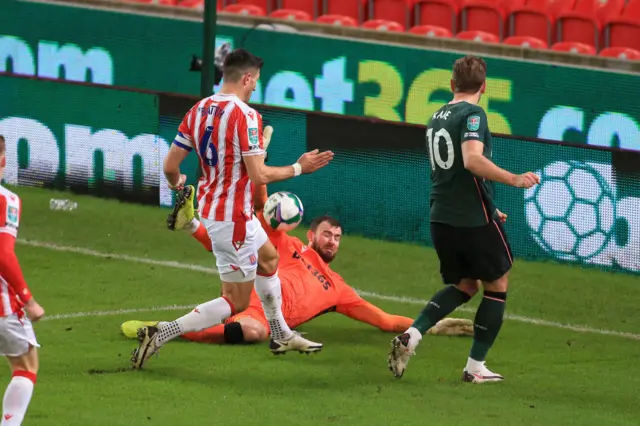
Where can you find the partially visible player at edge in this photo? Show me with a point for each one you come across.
(17, 339)
(466, 227)
(227, 136)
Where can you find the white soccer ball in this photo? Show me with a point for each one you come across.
(283, 211)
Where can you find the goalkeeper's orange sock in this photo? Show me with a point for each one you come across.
(200, 233)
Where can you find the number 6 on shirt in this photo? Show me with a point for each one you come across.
(207, 148)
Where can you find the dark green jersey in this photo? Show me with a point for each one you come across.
(458, 197)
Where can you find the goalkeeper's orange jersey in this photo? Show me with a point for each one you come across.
(309, 286)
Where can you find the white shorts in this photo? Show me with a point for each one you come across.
(16, 334)
(235, 246)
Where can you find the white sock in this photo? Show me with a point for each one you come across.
(17, 398)
(193, 225)
(203, 316)
(416, 337)
(473, 365)
(270, 293)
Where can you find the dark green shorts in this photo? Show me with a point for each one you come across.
(479, 253)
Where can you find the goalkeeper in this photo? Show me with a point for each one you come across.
(310, 287)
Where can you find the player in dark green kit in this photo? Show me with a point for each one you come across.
(466, 226)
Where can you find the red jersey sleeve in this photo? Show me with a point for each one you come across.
(249, 131)
(184, 138)
(10, 269)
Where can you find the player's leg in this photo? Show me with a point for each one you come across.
(459, 290)
(234, 248)
(20, 347)
(492, 265)
(270, 292)
(183, 217)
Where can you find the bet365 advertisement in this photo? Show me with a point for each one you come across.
(341, 76)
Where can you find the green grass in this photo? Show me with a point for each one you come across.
(553, 376)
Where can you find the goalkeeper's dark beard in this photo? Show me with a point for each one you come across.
(324, 255)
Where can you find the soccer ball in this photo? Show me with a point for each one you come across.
(283, 211)
(571, 213)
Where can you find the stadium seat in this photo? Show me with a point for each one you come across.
(480, 36)
(312, 7)
(291, 15)
(584, 22)
(266, 5)
(522, 41)
(482, 15)
(441, 13)
(352, 8)
(382, 25)
(431, 31)
(620, 53)
(536, 18)
(338, 20)
(245, 9)
(624, 29)
(574, 47)
(389, 10)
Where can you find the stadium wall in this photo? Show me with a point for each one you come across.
(586, 211)
(342, 76)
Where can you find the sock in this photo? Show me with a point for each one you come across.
(17, 397)
(203, 316)
(270, 293)
(441, 304)
(487, 323)
(200, 233)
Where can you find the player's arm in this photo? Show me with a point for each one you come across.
(10, 268)
(472, 155)
(355, 307)
(363, 311)
(252, 147)
(182, 145)
(11, 272)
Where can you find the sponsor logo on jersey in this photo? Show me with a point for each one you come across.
(473, 123)
(471, 135)
(12, 217)
(253, 137)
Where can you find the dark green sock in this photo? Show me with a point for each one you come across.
(487, 323)
(441, 304)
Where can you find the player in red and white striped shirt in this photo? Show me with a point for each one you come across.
(227, 136)
(17, 340)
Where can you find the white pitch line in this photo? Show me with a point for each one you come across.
(212, 270)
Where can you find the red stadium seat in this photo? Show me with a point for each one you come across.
(266, 5)
(624, 30)
(531, 42)
(383, 25)
(443, 13)
(480, 36)
(390, 10)
(431, 31)
(352, 8)
(245, 9)
(482, 15)
(584, 22)
(620, 53)
(536, 18)
(312, 7)
(291, 15)
(574, 47)
(338, 20)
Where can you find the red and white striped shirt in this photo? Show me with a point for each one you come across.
(14, 292)
(223, 129)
